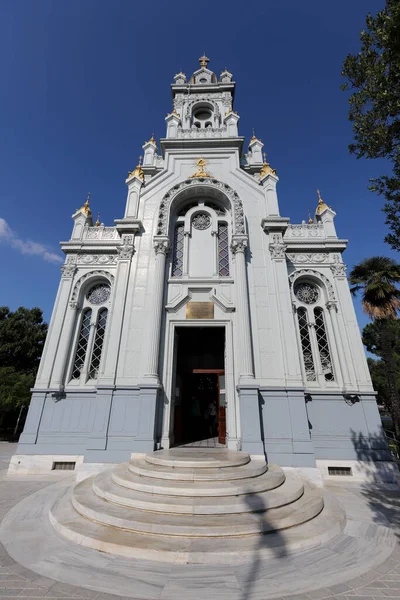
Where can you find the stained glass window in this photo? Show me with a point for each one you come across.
(323, 345)
(223, 250)
(98, 343)
(177, 255)
(306, 344)
(82, 344)
(99, 293)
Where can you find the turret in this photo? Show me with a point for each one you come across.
(82, 217)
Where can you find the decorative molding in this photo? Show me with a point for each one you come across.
(127, 249)
(101, 233)
(239, 244)
(315, 275)
(201, 220)
(317, 257)
(87, 276)
(338, 268)
(161, 245)
(277, 247)
(92, 259)
(305, 230)
(68, 270)
(202, 186)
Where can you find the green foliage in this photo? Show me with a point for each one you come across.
(371, 337)
(22, 336)
(373, 76)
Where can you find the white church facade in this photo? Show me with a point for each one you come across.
(203, 313)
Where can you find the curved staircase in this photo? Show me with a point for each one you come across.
(196, 505)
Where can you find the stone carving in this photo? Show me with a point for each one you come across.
(311, 273)
(68, 270)
(86, 277)
(161, 245)
(305, 230)
(99, 293)
(204, 186)
(126, 251)
(239, 244)
(339, 269)
(277, 247)
(201, 221)
(318, 257)
(101, 259)
(195, 133)
(307, 293)
(101, 233)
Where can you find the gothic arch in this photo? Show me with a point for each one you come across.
(311, 273)
(201, 186)
(86, 278)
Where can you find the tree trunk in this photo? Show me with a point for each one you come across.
(390, 363)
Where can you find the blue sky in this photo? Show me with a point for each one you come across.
(85, 82)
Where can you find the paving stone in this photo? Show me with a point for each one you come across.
(340, 588)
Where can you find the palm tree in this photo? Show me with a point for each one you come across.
(377, 279)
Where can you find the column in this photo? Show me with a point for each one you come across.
(245, 359)
(64, 349)
(332, 308)
(161, 247)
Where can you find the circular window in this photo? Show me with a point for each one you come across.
(201, 221)
(99, 293)
(307, 293)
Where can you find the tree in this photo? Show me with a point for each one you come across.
(373, 75)
(22, 336)
(377, 279)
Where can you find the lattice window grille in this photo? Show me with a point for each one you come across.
(223, 250)
(98, 343)
(323, 346)
(306, 345)
(81, 348)
(177, 254)
(99, 293)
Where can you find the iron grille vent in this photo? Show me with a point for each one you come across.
(346, 471)
(63, 466)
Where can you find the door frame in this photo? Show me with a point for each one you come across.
(169, 370)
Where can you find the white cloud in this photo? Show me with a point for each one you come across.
(7, 236)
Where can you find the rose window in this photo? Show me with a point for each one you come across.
(99, 293)
(201, 221)
(307, 293)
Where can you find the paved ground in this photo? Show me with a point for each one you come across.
(17, 581)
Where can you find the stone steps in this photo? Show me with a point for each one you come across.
(165, 506)
(269, 480)
(176, 549)
(247, 523)
(289, 491)
(141, 466)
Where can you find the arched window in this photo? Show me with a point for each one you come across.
(314, 343)
(201, 241)
(90, 335)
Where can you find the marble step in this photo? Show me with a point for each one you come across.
(140, 466)
(96, 509)
(197, 458)
(235, 550)
(269, 480)
(289, 491)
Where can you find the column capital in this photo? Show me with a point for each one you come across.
(331, 306)
(277, 247)
(127, 250)
(239, 243)
(161, 244)
(68, 271)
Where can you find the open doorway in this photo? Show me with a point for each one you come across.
(200, 403)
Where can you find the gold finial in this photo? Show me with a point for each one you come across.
(203, 60)
(86, 208)
(97, 224)
(266, 169)
(152, 140)
(321, 204)
(201, 163)
(138, 172)
(310, 220)
(254, 138)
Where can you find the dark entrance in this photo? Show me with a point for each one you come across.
(199, 384)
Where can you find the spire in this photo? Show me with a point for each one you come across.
(152, 140)
(85, 209)
(254, 138)
(310, 220)
(321, 204)
(266, 169)
(97, 224)
(203, 60)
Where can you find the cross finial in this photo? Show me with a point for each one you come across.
(310, 221)
(319, 197)
(140, 160)
(203, 60)
(265, 157)
(97, 224)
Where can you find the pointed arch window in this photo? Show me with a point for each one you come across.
(314, 342)
(90, 337)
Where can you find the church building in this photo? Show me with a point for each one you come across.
(203, 316)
